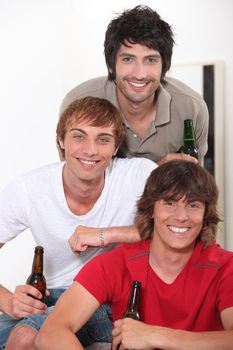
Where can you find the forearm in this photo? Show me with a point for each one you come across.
(169, 339)
(56, 338)
(5, 300)
(85, 236)
(121, 234)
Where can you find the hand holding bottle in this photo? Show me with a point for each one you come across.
(181, 156)
(189, 140)
(132, 313)
(29, 298)
(131, 334)
(23, 302)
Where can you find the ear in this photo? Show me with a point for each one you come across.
(115, 152)
(61, 143)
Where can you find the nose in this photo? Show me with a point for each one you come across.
(90, 148)
(181, 213)
(139, 70)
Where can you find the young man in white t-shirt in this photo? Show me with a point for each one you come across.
(57, 202)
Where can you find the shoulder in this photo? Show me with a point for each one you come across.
(93, 87)
(132, 167)
(134, 163)
(120, 256)
(38, 181)
(89, 86)
(213, 256)
(135, 251)
(42, 177)
(179, 89)
(44, 170)
(219, 256)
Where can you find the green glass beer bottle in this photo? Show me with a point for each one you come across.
(189, 139)
(133, 303)
(36, 278)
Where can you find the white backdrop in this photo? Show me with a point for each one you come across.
(49, 46)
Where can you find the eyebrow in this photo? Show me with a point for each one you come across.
(125, 54)
(84, 132)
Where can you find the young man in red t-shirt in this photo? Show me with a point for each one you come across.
(186, 299)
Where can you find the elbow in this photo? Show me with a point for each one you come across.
(41, 341)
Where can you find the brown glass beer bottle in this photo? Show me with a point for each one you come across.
(36, 278)
(133, 303)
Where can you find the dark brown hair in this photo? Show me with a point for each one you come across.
(140, 25)
(94, 111)
(172, 181)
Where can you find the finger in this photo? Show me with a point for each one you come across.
(28, 300)
(34, 293)
(26, 311)
(187, 157)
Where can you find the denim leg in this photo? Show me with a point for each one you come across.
(98, 328)
(7, 323)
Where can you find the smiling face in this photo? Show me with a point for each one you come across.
(138, 73)
(177, 224)
(88, 151)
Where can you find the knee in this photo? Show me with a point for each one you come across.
(22, 337)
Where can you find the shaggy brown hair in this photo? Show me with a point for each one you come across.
(172, 181)
(95, 112)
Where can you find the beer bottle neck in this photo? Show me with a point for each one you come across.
(188, 130)
(37, 265)
(134, 298)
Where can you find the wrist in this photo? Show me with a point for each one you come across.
(5, 300)
(102, 238)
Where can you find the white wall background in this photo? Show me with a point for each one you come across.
(49, 46)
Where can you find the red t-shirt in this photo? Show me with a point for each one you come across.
(192, 302)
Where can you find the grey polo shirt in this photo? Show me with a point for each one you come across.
(175, 102)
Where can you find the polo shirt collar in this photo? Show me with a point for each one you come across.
(163, 101)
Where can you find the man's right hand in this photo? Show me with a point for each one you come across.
(24, 302)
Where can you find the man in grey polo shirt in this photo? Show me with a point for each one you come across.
(138, 49)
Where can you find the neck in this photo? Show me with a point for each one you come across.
(81, 195)
(139, 115)
(139, 109)
(168, 263)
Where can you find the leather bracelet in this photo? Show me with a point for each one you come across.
(102, 238)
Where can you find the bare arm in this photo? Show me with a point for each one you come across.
(84, 236)
(19, 304)
(73, 309)
(138, 335)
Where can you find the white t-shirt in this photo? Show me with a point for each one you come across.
(37, 201)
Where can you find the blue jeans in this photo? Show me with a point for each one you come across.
(97, 329)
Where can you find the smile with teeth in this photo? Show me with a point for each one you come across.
(176, 229)
(137, 85)
(88, 162)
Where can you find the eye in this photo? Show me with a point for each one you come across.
(127, 59)
(195, 205)
(78, 137)
(168, 202)
(104, 140)
(152, 60)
